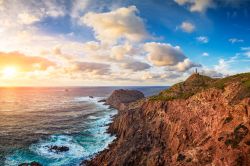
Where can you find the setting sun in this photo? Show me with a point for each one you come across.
(9, 72)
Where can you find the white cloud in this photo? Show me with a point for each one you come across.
(196, 5)
(205, 54)
(211, 73)
(235, 40)
(22, 12)
(78, 7)
(161, 54)
(122, 23)
(119, 52)
(202, 39)
(245, 48)
(91, 46)
(247, 54)
(185, 65)
(224, 65)
(26, 18)
(246, 51)
(187, 27)
(162, 77)
(221, 69)
(123, 61)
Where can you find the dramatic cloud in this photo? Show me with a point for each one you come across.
(23, 62)
(185, 65)
(202, 39)
(161, 54)
(235, 40)
(122, 23)
(59, 34)
(92, 67)
(136, 65)
(187, 27)
(196, 5)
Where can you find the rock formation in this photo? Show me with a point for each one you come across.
(201, 121)
(58, 149)
(122, 97)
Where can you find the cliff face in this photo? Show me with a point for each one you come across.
(210, 127)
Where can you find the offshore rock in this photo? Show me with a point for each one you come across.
(58, 149)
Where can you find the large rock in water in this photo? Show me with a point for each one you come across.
(58, 149)
(121, 96)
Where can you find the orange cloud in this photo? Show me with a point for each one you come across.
(23, 62)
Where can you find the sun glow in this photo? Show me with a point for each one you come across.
(9, 72)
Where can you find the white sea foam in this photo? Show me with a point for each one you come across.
(42, 148)
(80, 147)
(92, 117)
(94, 100)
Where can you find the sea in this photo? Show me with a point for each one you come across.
(34, 119)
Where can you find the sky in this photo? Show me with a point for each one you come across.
(121, 42)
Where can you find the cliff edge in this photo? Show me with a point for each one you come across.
(201, 121)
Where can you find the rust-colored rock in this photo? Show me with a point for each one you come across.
(210, 127)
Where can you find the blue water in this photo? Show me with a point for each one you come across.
(32, 119)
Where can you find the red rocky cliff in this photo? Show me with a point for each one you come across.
(210, 127)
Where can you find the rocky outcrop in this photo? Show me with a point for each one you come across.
(33, 163)
(58, 149)
(123, 97)
(210, 127)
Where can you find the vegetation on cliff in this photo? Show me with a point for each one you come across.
(196, 83)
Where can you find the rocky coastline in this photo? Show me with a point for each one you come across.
(201, 121)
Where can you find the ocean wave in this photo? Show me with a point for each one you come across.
(42, 148)
(84, 145)
(94, 100)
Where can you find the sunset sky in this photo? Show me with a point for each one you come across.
(121, 42)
